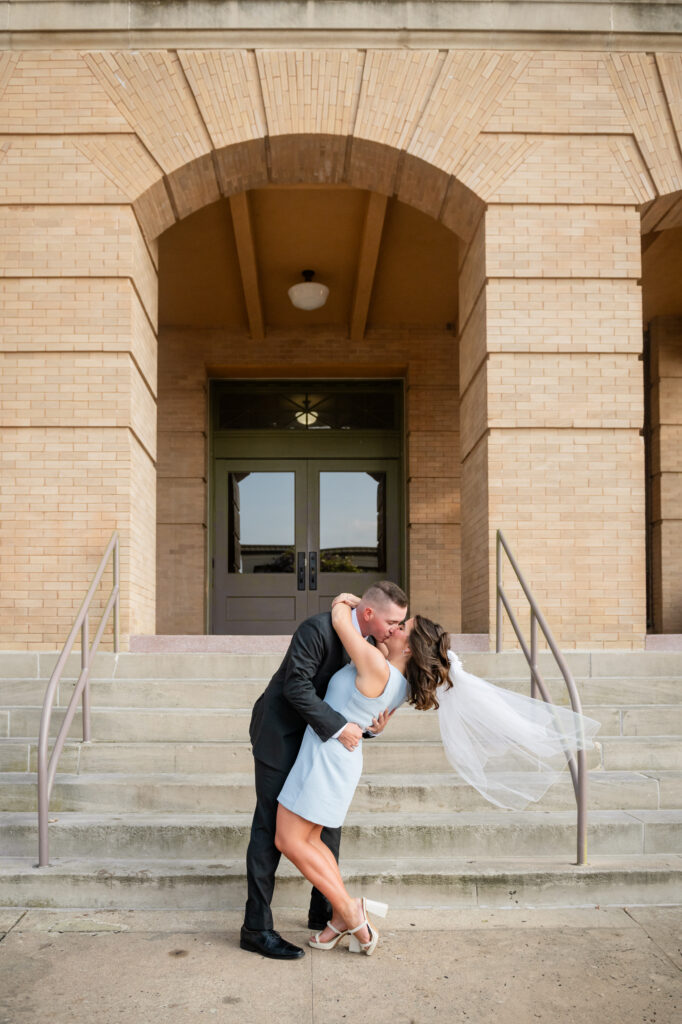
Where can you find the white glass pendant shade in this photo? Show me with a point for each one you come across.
(306, 417)
(308, 294)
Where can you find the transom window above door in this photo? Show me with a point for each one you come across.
(308, 405)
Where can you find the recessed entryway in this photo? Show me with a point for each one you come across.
(307, 497)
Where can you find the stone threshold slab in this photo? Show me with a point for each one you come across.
(663, 642)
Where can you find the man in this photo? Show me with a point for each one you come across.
(293, 699)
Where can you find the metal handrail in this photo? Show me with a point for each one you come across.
(579, 770)
(47, 770)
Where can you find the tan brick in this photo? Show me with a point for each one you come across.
(180, 579)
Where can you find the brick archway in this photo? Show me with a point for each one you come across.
(313, 160)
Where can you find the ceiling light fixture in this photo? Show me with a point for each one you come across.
(308, 294)
(306, 418)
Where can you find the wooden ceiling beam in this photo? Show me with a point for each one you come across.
(367, 264)
(248, 266)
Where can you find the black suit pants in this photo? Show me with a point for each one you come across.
(262, 856)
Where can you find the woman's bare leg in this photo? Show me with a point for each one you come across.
(299, 841)
(339, 923)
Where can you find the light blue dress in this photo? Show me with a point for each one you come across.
(323, 779)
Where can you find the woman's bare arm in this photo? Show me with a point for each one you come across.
(372, 667)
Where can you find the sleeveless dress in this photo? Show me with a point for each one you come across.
(323, 779)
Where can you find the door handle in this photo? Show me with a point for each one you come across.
(301, 570)
(312, 570)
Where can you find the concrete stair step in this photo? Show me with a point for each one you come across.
(141, 724)
(631, 753)
(379, 756)
(402, 882)
(641, 753)
(226, 793)
(15, 755)
(606, 791)
(662, 720)
(136, 724)
(508, 664)
(242, 693)
(20, 754)
(39, 665)
(622, 691)
(669, 786)
(479, 834)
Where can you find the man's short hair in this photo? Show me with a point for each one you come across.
(384, 591)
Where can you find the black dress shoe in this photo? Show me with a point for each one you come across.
(269, 943)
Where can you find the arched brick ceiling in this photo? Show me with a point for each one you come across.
(414, 282)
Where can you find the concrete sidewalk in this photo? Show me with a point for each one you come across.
(591, 966)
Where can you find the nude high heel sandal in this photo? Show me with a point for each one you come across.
(380, 909)
(315, 941)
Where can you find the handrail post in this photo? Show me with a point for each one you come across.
(578, 766)
(582, 808)
(116, 577)
(85, 670)
(533, 652)
(498, 592)
(47, 767)
(43, 802)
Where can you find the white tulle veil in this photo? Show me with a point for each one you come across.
(509, 747)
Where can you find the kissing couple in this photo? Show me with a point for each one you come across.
(343, 676)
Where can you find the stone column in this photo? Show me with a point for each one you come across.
(77, 416)
(666, 472)
(551, 413)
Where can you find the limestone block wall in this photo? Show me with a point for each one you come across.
(428, 364)
(666, 471)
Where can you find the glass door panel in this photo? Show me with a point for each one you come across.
(261, 522)
(260, 544)
(352, 517)
(355, 525)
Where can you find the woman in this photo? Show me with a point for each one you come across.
(509, 747)
(321, 784)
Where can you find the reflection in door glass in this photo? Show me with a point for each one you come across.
(352, 522)
(261, 522)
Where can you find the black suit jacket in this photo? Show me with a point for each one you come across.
(294, 697)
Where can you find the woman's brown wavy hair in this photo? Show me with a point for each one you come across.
(429, 666)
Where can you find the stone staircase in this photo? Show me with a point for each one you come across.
(156, 811)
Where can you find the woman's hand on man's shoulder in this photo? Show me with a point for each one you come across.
(352, 600)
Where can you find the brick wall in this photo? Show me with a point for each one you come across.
(101, 152)
(428, 363)
(558, 409)
(77, 415)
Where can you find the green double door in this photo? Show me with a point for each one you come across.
(290, 533)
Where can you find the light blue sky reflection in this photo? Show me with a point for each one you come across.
(266, 502)
(348, 509)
